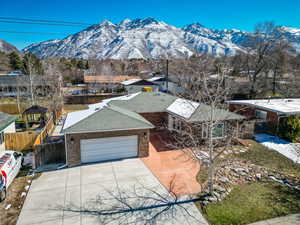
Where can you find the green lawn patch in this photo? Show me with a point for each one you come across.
(254, 202)
(260, 155)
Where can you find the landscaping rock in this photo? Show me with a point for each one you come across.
(224, 179)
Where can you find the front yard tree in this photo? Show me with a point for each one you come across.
(210, 92)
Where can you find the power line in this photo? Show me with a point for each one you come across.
(47, 21)
(25, 32)
(38, 23)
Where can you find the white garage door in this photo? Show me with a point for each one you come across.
(103, 149)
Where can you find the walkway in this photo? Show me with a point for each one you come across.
(293, 219)
(173, 168)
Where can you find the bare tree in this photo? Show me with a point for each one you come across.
(29, 69)
(265, 42)
(210, 91)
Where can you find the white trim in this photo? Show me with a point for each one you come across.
(97, 131)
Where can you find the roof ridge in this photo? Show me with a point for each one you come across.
(145, 121)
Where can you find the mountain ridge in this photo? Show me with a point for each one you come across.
(7, 47)
(149, 38)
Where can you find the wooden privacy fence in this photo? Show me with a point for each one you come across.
(20, 141)
(28, 140)
(49, 153)
(44, 133)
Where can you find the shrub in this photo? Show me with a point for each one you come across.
(289, 128)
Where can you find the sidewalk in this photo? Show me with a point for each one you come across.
(293, 219)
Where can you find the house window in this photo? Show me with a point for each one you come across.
(217, 130)
(259, 114)
(176, 123)
(1, 138)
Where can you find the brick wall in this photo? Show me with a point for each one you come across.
(158, 119)
(73, 142)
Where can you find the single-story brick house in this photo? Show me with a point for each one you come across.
(266, 110)
(7, 125)
(107, 83)
(119, 127)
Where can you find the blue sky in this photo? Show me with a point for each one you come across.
(218, 14)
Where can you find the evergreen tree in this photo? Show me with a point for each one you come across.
(15, 61)
(33, 63)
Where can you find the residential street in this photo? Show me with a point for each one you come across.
(77, 196)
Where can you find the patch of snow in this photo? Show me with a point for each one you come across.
(23, 194)
(182, 107)
(120, 98)
(154, 78)
(8, 207)
(27, 187)
(289, 150)
(28, 159)
(75, 117)
(131, 81)
(287, 106)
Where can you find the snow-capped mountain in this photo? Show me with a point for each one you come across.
(147, 38)
(6, 47)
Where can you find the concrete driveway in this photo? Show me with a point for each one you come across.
(120, 192)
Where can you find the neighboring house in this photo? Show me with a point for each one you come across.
(119, 127)
(166, 85)
(267, 111)
(136, 85)
(106, 83)
(19, 85)
(7, 125)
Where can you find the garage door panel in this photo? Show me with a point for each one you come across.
(103, 149)
(110, 145)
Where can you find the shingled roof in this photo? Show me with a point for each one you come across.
(6, 120)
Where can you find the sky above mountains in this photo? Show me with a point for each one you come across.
(218, 14)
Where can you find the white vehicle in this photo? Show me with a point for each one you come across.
(10, 165)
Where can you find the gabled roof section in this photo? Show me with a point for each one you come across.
(109, 118)
(146, 102)
(206, 113)
(6, 120)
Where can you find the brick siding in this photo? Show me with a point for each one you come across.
(73, 143)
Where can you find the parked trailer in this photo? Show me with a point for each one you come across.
(10, 165)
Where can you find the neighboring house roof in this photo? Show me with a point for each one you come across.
(108, 78)
(282, 106)
(6, 120)
(153, 79)
(141, 82)
(109, 118)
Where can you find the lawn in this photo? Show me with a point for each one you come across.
(260, 155)
(254, 202)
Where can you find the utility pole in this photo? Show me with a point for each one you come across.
(167, 75)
